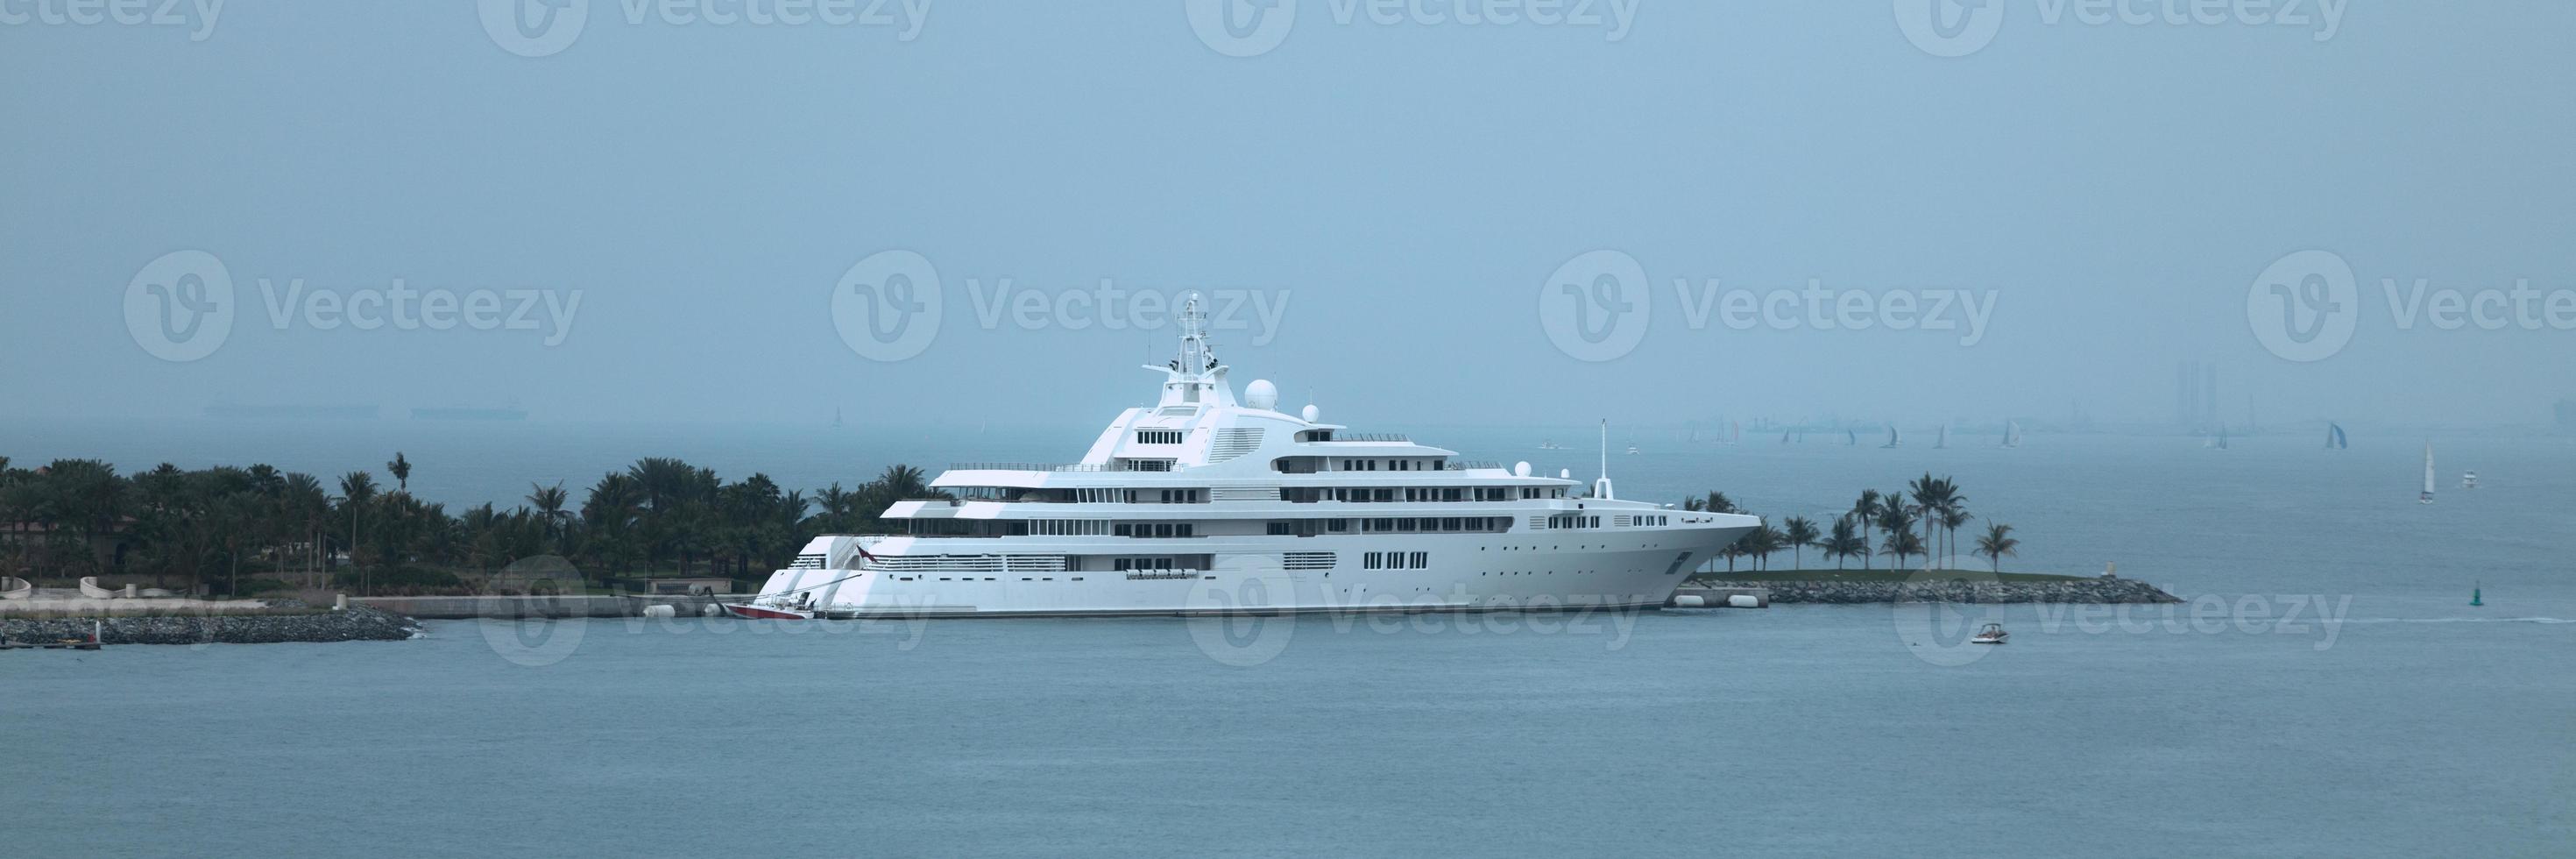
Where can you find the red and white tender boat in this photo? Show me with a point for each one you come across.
(763, 612)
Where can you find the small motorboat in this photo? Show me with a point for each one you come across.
(1993, 634)
(768, 612)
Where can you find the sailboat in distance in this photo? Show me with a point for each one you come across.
(1891, 437)
(2012, 434)
(2427, 497)
(1851, 437)
(2334, 437)
(1942, 441)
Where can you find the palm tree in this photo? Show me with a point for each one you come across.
(551, 515)
(400, 468)
(1762, 544)
(356, 489)
(1865, 511)
(1997, 542)
(1801, 533)
(308, 506)
(902, 481)
(1951, 518)
(1902, 543)
(1845, 542)
(1895, 518)
(1929, 500)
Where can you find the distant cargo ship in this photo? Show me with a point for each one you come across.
(506, 413)
(237, 411)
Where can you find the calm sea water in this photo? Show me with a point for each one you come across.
(2416, 726)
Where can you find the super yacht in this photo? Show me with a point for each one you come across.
(1208, 503)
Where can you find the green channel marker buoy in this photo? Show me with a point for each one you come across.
(2478, 596)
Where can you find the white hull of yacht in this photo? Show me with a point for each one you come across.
(1469, 572)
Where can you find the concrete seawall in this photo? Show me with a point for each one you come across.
(529, 607)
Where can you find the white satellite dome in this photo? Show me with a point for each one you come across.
(1520, 469)
(1313, 414)
(1565, 474)
(1261, 395)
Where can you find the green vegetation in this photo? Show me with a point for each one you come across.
(1882, 576)
(1878, 524)
(240, 531)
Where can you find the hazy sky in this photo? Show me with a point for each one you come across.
(1403, 195)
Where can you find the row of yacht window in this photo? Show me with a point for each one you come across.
(1296, 494)
(1396, 561)
(1274, 527)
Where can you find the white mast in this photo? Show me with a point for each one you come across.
(1601, 487)
(1196, 376)
(2427, 497)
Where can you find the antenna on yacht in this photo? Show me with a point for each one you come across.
(1195, 375)
(1197, 356)
(1601, 487)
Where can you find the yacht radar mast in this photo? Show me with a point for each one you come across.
(1196, 376)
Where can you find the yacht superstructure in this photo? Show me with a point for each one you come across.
(1206, 503)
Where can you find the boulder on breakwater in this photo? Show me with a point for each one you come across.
(356, 624)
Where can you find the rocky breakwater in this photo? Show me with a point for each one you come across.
(269, 627)
(1961, 589)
